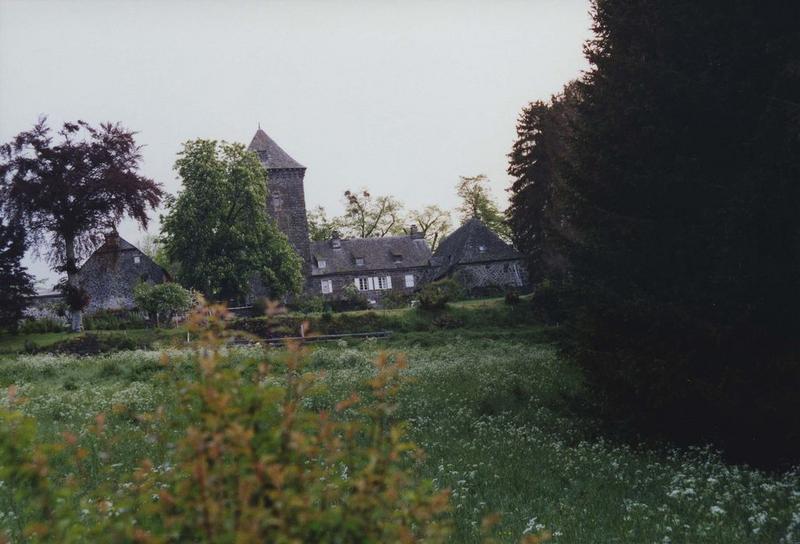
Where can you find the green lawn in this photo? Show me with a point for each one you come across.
(503, 425)
(16, 343)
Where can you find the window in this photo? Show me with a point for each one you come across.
(396, 257)
(321, 263)
(378, 283)
(363, 284)
(482, 249)
(359, 261)
(409, 280)
(327, 286)
(137, 259)
(383, 282)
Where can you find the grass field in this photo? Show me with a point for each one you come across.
(503, 427)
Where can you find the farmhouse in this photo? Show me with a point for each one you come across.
(479, 260)
(473, 254)
(373, 266)
(110, 274)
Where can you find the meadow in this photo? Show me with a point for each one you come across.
(499, 416)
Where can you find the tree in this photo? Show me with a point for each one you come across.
(537, 214)
(319, 226)
(367, 216)
(433, 222)
(15, 282)
(162, 300)
(683, 187)
(152, 246)
(218, 230)
(66, 194)
(477, 201)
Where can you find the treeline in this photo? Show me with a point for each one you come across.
(657, 200)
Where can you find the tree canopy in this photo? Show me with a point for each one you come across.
(218, 230)
(477, 201)
(15, 282)
(67, 193)
(679, 186)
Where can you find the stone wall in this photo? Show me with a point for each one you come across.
(286, 203)
(503, 274)
(110, 277)
(342, 280)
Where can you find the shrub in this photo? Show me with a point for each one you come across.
(92, 344)
(165, 300)
(46, 324)
(250, 463)
(108, 320)
(309, 304)
(352, 299)
(436, 295)
(396, 299)
(512, 297)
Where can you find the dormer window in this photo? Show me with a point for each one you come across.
(396, 257)
(321, 263)
(359, 261)
(482, 249)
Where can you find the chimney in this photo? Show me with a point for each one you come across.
(414, 232)
(336, 241)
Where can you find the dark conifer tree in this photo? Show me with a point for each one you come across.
(15, 282)
(537, 212)
(685, 187)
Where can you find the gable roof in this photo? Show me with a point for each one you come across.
(464, 245)
(115, 244)
(378, 254)
(270, 153)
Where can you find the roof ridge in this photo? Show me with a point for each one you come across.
(270, 153)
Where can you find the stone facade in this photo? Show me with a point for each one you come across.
(478, 259)
(375, 267)
(286, 201)
(111, 273)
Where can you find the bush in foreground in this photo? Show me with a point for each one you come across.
(252, 463)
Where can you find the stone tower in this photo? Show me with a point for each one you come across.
(286, 202)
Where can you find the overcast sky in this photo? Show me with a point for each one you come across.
(400, 97)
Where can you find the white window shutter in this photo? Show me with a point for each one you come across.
(357, 285)
(370, 284)
(388, 282)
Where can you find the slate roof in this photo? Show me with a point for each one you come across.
(378, 254)
(464, 246)
(271, 154)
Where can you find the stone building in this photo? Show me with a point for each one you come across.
(479, 260)
(110, 274)
(373, 266)
(286, 201)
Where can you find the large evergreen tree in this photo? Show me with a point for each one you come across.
(217, 230)
(15, 282)
(684, 186)
(537, 214)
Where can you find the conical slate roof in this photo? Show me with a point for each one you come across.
(472, 242)
(270, 153)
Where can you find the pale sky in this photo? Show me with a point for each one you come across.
(400, 97)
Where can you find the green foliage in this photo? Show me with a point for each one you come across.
(15, 282)
(682, 193)
(436, 295)
(218, 229)
(92, 344)
(308, 304)
(163, 300)
(110, 320)
(396, 299)
(352, 299)
(249, 462)
(320, 227)
(367, 216)
(477, 201)
(42, 325)
(538, 213)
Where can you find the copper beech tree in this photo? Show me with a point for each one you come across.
(66, 190)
